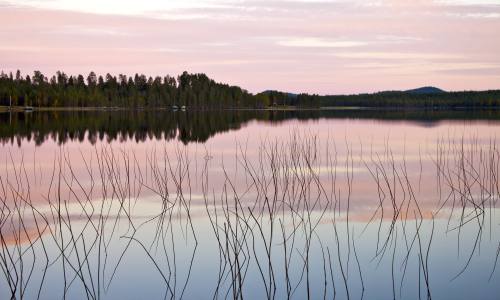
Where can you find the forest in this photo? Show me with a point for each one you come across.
(400, 99)
(190, 90)
(198, 91)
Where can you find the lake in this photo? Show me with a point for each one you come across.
(344, 204)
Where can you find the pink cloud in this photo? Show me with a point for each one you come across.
(317, 47)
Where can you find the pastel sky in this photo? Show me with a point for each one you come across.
(315, 46)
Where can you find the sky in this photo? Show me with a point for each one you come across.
(314, 46)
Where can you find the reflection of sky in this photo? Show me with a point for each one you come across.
(137, 277)
(364, 139)
(368, 142)
(297, 46)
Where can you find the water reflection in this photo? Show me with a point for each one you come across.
(336, 208)
(189, 126)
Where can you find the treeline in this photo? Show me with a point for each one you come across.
(390, 99)
(61, 90)
(200, 92)
(418, 98)
(276, 98)
(396, 99)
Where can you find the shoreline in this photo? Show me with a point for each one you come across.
(19, 109)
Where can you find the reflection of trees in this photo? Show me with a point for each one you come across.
(188, 126)
(139, 126)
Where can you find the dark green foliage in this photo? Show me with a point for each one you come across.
(276, 98)
(471, 99)
(61, 90)
(200, 92)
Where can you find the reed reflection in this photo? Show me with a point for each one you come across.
(287, 214)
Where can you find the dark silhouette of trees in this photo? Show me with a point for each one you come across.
(200, 92)
(276, 98)
(398, 99)
(61, 90)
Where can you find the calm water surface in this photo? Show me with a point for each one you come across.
(154, 205)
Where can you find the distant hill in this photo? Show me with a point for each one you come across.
(418, 91)
(271, 92)
(426, 90)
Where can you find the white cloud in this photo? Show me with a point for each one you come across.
(91, 31)
(398, 55)
(475, 15)
(121, 7)
(469, 2)
(312, 42)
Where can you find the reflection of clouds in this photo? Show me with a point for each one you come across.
(99, 213)
(321, 170)
(408, 144)
(298, 214)
(375, 218)
(148, 208)
(12, 236)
